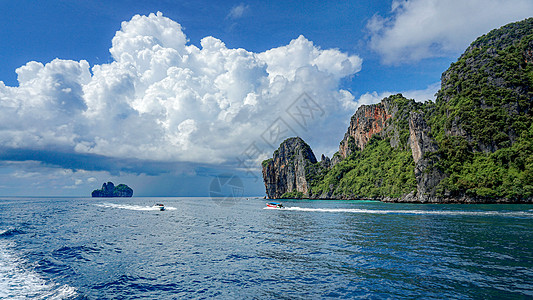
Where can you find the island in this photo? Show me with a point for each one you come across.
(110, 190)
(473, 144)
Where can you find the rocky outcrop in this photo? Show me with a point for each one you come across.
(367, 121)
(492, 74)
(424, 149)
(286, 171)
(110, 190)
(325, 162)
(374, 119)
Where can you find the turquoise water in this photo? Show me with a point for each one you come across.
(83, 248)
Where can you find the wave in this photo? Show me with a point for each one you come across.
(133, 207)
(411, 212)
(80, 253)
(10, 232)
(17, 282)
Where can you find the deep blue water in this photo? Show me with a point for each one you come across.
(83, 248)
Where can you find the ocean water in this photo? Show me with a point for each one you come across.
(84, 248)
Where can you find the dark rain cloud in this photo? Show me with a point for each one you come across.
(92, 162)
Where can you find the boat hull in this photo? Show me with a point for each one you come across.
(274, 205)
(161, 207)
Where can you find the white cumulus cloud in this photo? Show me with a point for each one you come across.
(418, 29)
(163, 99)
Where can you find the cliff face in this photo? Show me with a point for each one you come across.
(427, 174)
(383, 119)
(367, 121)
(482, 119)
(373, 129)
(473, 145)
(286, 171)
(491, 81)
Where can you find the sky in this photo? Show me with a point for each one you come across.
(171, 97)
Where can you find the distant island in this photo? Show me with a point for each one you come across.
(474, 144)
(110, 190)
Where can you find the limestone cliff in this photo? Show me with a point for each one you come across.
(423, 148)
(489, 86)
(367, 121)
(383, 119)
(381, 125)
(285, 174)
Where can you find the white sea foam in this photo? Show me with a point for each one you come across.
(17, 282)
(133, 207)
(411, 212)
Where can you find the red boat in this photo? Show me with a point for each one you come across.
(274, 205)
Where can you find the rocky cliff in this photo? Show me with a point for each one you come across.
(366, 148)
(482, 119)
(491, 81)
(384, 119)
(473, 145)
(367, 121)
(110, 190)
(423, 149)
(285, 174)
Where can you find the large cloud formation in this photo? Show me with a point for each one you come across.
(419, 29)
(162, 99)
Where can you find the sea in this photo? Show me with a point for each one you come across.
(203, 248)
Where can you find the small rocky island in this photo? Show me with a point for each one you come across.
(110, 190)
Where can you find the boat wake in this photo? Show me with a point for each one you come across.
(18, 282)
(134, 207)
(410, 212)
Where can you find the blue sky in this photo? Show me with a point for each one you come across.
(165, 95)
(83, 30)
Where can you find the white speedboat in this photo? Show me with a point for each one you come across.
(160, 206)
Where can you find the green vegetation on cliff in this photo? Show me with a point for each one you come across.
(377, 171)
(482, 118)
(505, 173)
(266, 162)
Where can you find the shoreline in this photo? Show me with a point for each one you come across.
(409, 200)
